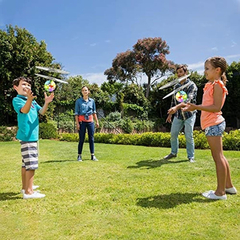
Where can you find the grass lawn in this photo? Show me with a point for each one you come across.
(131, 193)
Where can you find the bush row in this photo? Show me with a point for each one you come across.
(231, 140)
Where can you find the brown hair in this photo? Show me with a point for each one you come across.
(222, 64)
(85, 87)
(17, 80)
(184, 67)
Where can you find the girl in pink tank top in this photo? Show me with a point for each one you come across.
(214, 124)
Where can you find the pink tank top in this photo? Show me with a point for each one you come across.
(212, 118)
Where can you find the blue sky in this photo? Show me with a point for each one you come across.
(86, 35)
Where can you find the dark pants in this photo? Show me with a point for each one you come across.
(82, 132)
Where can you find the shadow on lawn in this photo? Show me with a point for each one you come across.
(171, 200)
(154, 163)
(58, 161)
(9, 196)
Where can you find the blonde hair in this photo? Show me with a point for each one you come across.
(222, 64)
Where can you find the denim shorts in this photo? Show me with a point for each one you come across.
(216, 130)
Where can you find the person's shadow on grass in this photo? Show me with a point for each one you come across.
(58, 161)
(9, 196)
(172, 200)
(154, 163)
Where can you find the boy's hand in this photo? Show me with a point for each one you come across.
(49, 98)
(30, 94)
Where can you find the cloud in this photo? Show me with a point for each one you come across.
(194, 66)
(238, 3)
(93, 44)
(98, 78)
(199, 66)
(233, 56)
(214, 49)
(233, 44)
(107, 41)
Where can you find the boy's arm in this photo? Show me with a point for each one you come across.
(48, 99)
(27, 106)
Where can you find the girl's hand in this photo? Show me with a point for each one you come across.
(49, 98)
(189, 107)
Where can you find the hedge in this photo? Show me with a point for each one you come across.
(231, 140)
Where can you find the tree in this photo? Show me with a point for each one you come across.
(67, 94)
(19, 54)
(147, 57)
(230, 111)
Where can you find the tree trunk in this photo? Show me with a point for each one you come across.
(148, 86)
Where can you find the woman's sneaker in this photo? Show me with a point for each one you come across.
(79, 158)
(94, 158)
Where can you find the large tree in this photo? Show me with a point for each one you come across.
(147, 57)
(230, 109)
(19, 54)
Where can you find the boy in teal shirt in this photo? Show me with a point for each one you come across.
(28, 131)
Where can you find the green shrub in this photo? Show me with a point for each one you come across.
(103, 137)
(125, 139)
(7, 133)
(47, 131)
(231, 141)
(127, 125)
(143, 126)
(69, 137)
(145, 139)
(200, 140)
(114, 116)
(132, 109)
(161, 140)
(66, 121)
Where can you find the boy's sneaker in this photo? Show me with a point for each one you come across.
(94, 158)
(34, 188)
(34, 195)
(169, 156)
(231, 190)
(79, 158)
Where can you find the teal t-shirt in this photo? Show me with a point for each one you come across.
(28, 123)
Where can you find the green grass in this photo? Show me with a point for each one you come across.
(129, 194)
